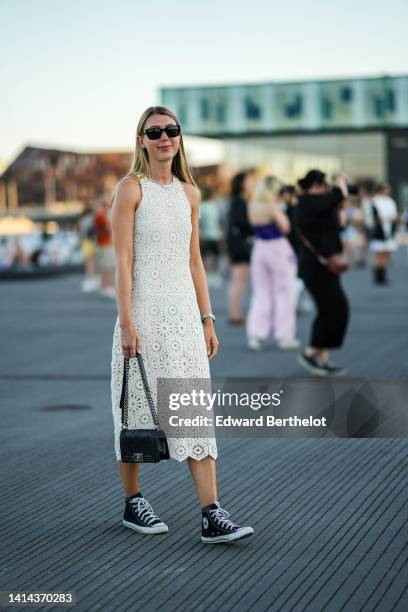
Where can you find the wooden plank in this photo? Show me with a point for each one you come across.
(329, 514)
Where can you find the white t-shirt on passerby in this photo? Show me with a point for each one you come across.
(6, 251)
(387, 213)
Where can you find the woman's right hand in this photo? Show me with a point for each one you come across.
(340, 181)
(130, 340)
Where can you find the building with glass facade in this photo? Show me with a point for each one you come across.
(358, 125)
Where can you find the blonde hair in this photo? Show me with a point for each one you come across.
(140, 163)
(266, 189)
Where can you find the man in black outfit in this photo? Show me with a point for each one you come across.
(318, 224)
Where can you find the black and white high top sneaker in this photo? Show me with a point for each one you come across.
(216, 526)
(140, 516)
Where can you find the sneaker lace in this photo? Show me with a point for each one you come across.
(220, 516)
(144, 509)
(222, 509)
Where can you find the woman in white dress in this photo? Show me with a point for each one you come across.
(384, 214)
(164, 311)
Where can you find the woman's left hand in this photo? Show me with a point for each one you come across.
(211, 339)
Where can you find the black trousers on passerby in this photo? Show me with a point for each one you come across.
(330, 324)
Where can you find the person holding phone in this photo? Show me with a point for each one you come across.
(318, 220)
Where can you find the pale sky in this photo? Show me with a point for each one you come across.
(78, 73)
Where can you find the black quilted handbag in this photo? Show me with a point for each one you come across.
(140, 445)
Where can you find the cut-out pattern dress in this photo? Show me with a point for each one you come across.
(165, 312)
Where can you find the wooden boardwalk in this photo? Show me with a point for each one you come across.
(330, 515)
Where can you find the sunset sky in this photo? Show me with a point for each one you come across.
(78, 73)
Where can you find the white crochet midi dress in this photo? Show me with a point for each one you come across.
(165, 312)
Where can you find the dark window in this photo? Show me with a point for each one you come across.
(205, 109)
(252, 110)
(390, 97)
(220, 112)
(327, 109)
(378, 107)
(346, 94)
(294, 108)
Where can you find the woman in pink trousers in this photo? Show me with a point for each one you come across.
(273, 270)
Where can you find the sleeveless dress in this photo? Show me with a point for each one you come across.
(166, 314)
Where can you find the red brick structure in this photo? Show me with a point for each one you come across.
(40, 176)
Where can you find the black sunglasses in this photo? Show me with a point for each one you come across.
(154, 133)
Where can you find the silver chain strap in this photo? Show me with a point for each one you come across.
(125, 392)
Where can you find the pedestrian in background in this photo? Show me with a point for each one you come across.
(353, 235)
(383, 243)
(318, 224)
(273, 270)
(88, 246)
(105, 256)
(289, 198)
(239, 244)
(210, 235)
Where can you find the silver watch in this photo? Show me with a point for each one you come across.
(208, 315)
